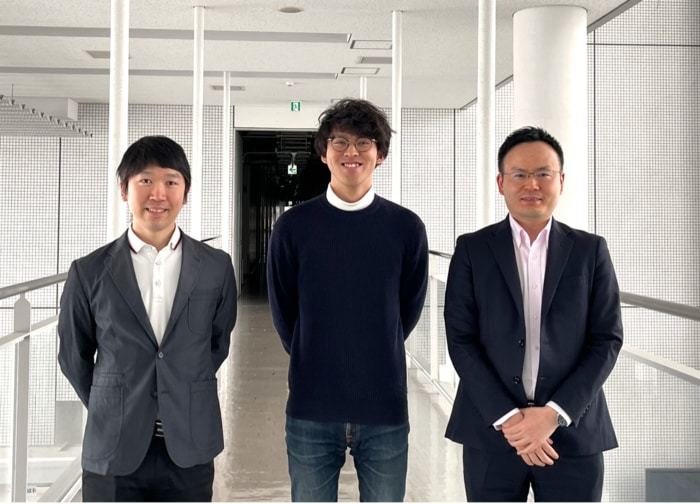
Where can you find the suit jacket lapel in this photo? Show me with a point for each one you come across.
(560, 246)
(189, 274)
(501, 243)
(121, 269)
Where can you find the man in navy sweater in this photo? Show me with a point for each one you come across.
(347, 276)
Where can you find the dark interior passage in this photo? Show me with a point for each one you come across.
(279, 170)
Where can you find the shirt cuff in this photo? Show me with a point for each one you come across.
(558, 409)
(497, 424)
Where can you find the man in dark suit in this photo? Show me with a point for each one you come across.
(532, 314)
(145, 323)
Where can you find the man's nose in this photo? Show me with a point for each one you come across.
(157, 191)
(532, 180)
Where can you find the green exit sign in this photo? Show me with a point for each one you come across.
(295, 106)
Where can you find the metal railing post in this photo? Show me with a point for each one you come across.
(434, 364)
(20, 424)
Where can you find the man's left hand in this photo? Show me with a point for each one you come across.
(536, 426)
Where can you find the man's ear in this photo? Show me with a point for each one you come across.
(324, 159)
(499, 183)
(123, 190)
(380, 160)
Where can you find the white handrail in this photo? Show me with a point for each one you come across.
(668, 366)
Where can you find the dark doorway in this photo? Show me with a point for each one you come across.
(279, 170)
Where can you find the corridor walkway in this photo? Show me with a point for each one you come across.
(253, 389)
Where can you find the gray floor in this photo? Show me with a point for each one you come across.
(253, 389)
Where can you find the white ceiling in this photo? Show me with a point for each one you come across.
(439, 59)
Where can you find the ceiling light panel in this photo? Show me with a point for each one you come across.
(360, 70)
(219, 87)
(297, 76)
(98, 54)
(375, 60)
(154, 33)
(370, 44)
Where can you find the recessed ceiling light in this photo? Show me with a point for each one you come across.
(370, 44)
(290, 10)
(290, 83)
(360, 70)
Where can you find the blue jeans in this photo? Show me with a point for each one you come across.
(316, 453)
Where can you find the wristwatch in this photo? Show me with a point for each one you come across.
(561, 421)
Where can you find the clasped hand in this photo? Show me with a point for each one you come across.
(529, 433)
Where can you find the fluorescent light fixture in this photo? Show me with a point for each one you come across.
(168, 34)
(375, 60)
(297, 76)
(370, 44)
(98, 54)
(219, 87)
(360, 70)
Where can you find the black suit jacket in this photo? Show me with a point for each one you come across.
(110, 355)
(581, 336)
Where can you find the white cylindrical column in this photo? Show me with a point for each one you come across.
(118, 112)
(363, 87)
(396, 105)
(550, 78)
(195, 196)
(226, 165)
(486, 114)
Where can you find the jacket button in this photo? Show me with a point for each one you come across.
(521, 343)
(516, 380)
(160, 355)
(154, 394)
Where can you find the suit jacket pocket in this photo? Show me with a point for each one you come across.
(104, 424)
(200, 310)
(205, 414)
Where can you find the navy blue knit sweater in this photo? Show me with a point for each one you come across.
(345, 290)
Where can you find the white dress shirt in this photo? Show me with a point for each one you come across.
(157, 274)
(360, 204)
(531, 258)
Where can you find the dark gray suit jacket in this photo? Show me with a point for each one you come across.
(109, 354)
(581, 336)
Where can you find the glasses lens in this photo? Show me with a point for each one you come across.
(340, 144)
(363, 144)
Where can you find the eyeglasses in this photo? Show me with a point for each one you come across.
(341, 144)
(540, 176)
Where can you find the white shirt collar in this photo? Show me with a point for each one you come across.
(519, 233)
(137, 243)
(360, 204)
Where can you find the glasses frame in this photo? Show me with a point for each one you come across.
(533, 175)
(354, 144)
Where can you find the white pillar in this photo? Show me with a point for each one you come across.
(226, 165)
(20, 419)
(363, 87)
(396, 105)
(195, 196)
(486, 114)
(550, 78)
(118, 112)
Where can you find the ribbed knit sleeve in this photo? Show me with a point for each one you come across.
(281, 281)
(414, 278)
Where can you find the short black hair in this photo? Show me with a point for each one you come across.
(153, 150)
(529, 134)
(355, 116)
